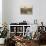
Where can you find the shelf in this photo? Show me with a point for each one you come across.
(19, 25)
(22, 28)
(12, 32)
(19, 32)
(16, 32)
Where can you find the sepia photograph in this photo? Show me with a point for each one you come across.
(26, 10)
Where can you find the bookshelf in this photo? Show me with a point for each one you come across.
(18, 29)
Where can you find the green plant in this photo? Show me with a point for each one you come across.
(4, 32)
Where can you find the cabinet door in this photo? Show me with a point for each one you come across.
(25, 27)
(11, 28)
(19, 30)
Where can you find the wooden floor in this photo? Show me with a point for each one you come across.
(1, 45)
(32, 45)
(42, 45)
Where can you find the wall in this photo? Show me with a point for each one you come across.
(4, 12)
(42, 12)
(11, 10)
(16, 5)
(0, 13)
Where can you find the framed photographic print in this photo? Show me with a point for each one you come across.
(26, 10)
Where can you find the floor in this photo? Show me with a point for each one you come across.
(42, 45)
(1, 45)
(34, 45)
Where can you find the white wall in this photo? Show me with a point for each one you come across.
(0, 13)
(16, 5)
(4, 11)
(42, 12)
(12, 11)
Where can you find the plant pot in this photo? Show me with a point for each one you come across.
(2, 40)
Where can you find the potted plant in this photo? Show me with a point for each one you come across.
(3, 34)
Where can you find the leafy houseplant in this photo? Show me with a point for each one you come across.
(4, 32)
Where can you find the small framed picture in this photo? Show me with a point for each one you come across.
(26, 10)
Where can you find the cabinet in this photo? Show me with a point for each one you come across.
(21, 29)
(18, 29)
